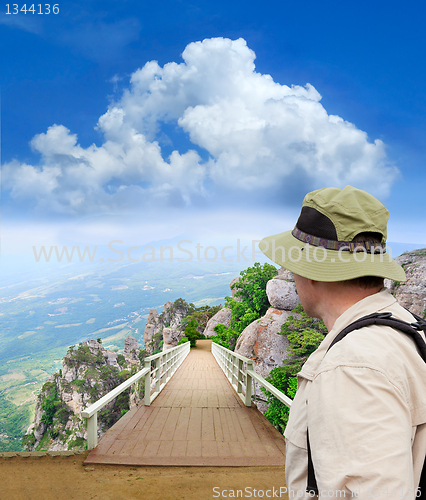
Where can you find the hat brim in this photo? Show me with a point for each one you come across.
(321, 264)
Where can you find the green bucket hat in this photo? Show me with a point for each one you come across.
(320, 247)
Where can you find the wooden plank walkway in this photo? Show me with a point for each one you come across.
(198, 419)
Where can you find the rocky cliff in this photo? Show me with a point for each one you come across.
(165, 329)
(88, 372)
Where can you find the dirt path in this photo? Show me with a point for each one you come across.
(67, 478)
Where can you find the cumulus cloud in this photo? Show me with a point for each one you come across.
(250, 136)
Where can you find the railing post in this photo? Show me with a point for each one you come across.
(158, 363)
(166, 365)
(249, 382)
(173, 359)
(240, 376)
(92, 431)
(147, 401)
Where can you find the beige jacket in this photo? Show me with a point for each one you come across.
(365, 406)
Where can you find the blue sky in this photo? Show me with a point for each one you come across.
(142, 121)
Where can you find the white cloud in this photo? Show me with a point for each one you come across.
(260, 136)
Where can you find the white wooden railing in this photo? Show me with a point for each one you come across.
(239, 371)
(157, 371)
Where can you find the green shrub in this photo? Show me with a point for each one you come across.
(251, 291)
(79, 443)
(28, 441)
(201, 315)
(191, 333)
(80, 356)
(52, 405)
(226, 337)
(277, 412)
(304, 334)
(54, 433)
(121, 360)
(142, 355)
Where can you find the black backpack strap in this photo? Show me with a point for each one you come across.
(422, 485)
(311, 487)
(385, 319)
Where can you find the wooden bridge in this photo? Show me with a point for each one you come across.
(197, 419)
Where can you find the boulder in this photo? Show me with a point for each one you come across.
(222, 317)
(282, 293)
(262, 342)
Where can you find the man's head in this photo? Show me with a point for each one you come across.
(340, 236)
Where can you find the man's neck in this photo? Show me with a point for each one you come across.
(336, 298)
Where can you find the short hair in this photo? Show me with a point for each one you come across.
(367, 282)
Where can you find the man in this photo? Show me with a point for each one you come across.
(364, 401)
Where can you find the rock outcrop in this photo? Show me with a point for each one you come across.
(222, 317)
(262, 342)
(131, 350)
(88, 372)
(170, 318)
(152, 331)
(171, 338)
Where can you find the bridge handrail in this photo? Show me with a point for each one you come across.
(165, 367)
(240, 373)
(269, 387)
(100, 403)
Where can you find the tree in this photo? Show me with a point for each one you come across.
(252, 303)
(201, 315)
(225, 336)
(191, 333)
